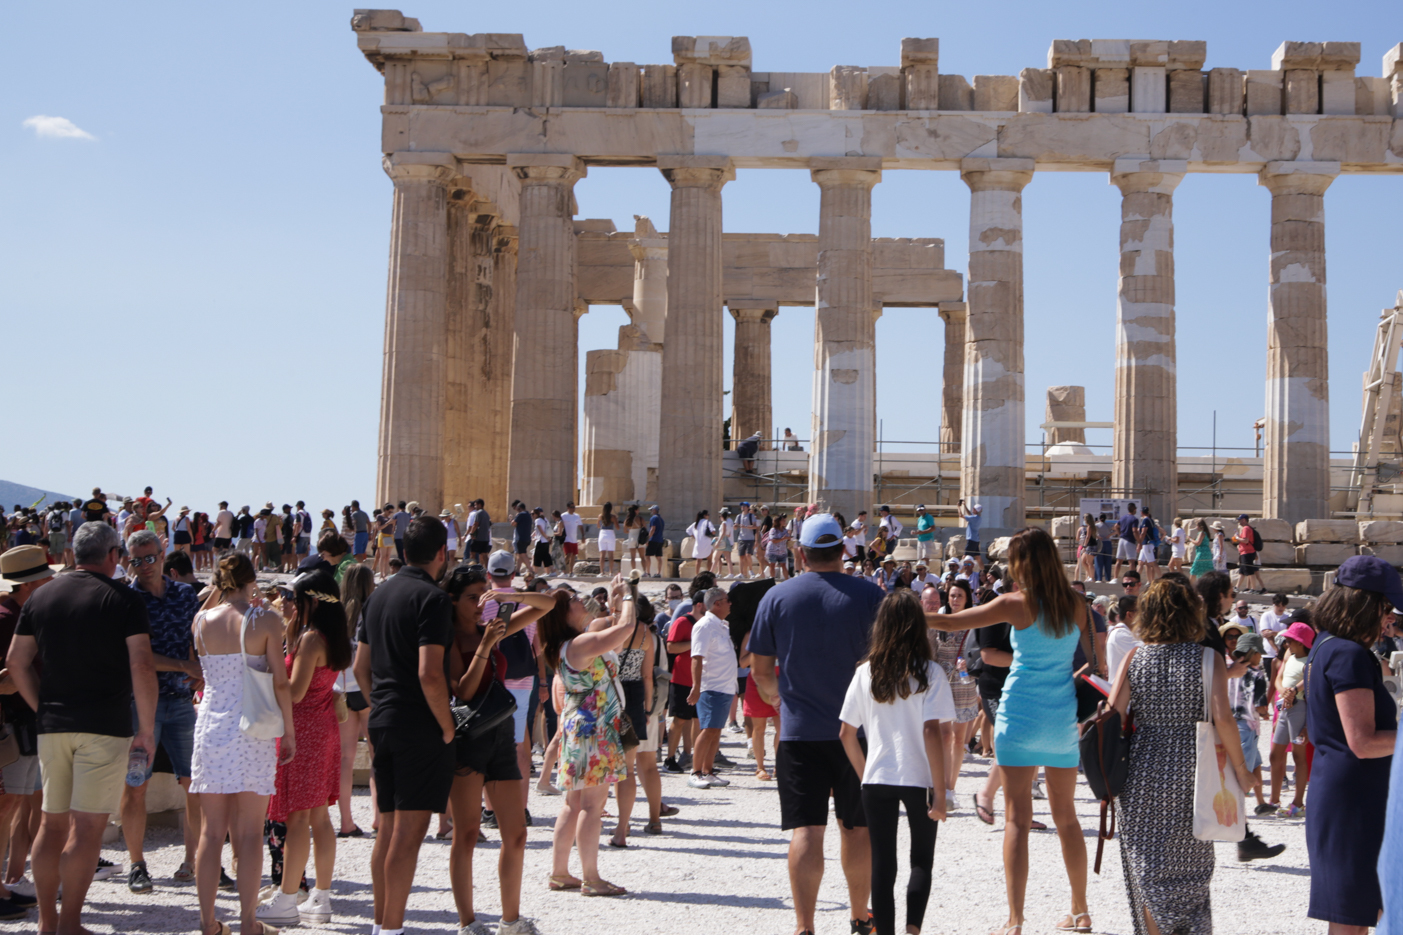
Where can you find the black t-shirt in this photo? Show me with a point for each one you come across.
(95, 510)
(81, 621)
(244, 523)
(404, 613)
(523, 527)
(15, 708)
(991, 678)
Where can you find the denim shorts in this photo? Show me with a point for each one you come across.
(175, 730)
(712, 708)
(1251, 753)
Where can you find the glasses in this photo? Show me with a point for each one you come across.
(1129, 583)
(145, 560)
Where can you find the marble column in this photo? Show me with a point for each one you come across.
(750, 371)
(952, 389)
(845, 318)
(1296, 454)
(498, 339)
(649, 249)
(545, 374)
(410, 459)
(1144, 461)
(690, 424)
(992, 456)
(621, 419)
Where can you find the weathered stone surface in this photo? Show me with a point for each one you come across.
(694, 85)
(1225, 91)
(1262, 90)
(1073, 93)
(750, 376)
(1301, 93)
(1337, 93)
(508, 83)
(383, 21)
(998, 549)
(1274, 530)
(1282, 580)
(733, 86)
(623, 85)
(1381, 531)
(1327, 530)
(952, 386)
(1317, 554)
(1277, 553)
(1071, 52)
(1393, 554)
(1066, 404)
(922, 87)
(848, 88)
(1187, 90)
(920, 52)
(1187, 54)
(659, 86)
(1111, 90)
(955, 93)
(711, 50)
(995, 93)
(884, 92)
(1148, 88)
(585, 84)
(1035, 90)
(777, 100)
(1065, 527)
(955, 547)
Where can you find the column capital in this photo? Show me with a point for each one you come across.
(709, 172)
(953, 311)
(546, 167)
(761, 310)
(982, 174)
(864, 171)
(506, 238)
(439, 168)
(1298, 178)
(1132, 174)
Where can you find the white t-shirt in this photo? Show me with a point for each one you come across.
(896, 746)
(891, 526)
(850, 546)
(571, 523)
(1271, 620)
(711, 640)
(701, 533)
(1119, 642)
(919, 582)
(542, 530)
(223, 525)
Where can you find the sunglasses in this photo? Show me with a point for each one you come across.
(1129, 584)
(145, 560)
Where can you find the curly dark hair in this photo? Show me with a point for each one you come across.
(1169, 612)
(899, 650)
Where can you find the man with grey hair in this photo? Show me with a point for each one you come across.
(92, 638)
(714, 672)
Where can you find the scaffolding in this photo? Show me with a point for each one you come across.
(1377, 453)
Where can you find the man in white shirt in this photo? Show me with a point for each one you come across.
(969, 573)
(714, 672)
(1272, 623)
(571, 521)
(922, 578)
(852, 544)
(890, 528)
(747, 528)
(223, 527)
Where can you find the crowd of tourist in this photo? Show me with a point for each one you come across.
(411, 631)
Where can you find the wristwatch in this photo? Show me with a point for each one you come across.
(626, 597)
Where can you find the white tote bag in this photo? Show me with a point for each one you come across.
(261, 717)
(1219, 805)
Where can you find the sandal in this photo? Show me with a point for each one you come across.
(667, 811)
(981, 810)
(761, 775)
(1011, 930)
(353, 833)
(445, 835)
(565, 882)
(618, 844)
(1073, 922)
(601, 888)
(266, 929)
(1037, 825)
(223, 929)
(653, 827)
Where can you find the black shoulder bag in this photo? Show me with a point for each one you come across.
(1105, 754)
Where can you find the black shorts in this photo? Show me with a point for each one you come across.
(1247, 564)
(355, 701)
(480, 547)
(677, 702)
(182, 538)
(653, 550)
(413, 770)
(494, 756)
(807, 773)
(542, 557)
(972, 548)
(991, 707)
(633, 707)
(221, 543)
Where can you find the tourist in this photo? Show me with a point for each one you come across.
(591, 754)
(385, 544)
(356, 587)
(714, 670)
(1036, 724)
(541, 560)
(1201, 541)
(1121, 637)
(91, 640)
(450, 526)
(570, 523)
(636, 661)
(1148, 536)
(1168, 871)
(519, 648)
(972, 516)
(947, 649)
(645, 760)
(1177, 546)
(776, 544)
(758, 713)
(725, 542)
(996, 657)
(1106, 537)
(1292, 714)
(1271, 624)
(1130, 582)
(746, 451)
(654, 548)
(184, 532)
(899, 698)
(319, 648)
(1353, 722)
(791, 441)
(889, 528)
(521, 538)
(702, 532)
(479, 531)
(1247, 695)
(679, 647)
(927, 548)
(608, 540)
(816, 628)
(1127, 539)
(400, 518)
(406, 632)
(1088, 546)
(1246, 541)
(273, 540)
(747, 525)
(170, 609)
(332, 549)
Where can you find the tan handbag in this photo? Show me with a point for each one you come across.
(339, 705)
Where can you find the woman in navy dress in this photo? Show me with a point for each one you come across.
(1353, 722)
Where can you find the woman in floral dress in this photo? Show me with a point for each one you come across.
(591, 754)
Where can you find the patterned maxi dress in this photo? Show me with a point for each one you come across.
(946, 649)
(590, 751)
(1167, 869)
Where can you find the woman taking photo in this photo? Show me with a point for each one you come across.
(591, 753)
(1353, 722)
(356, 588)
(1168, 871)
(636, 661)
(319, 648)
(489, 762)
(231, 772)
(1037, 719)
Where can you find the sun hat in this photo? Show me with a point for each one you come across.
(1302, 633)
(1371, 573)
(24, 563)
(820, 531)
(1230, 627)
(1216, 524)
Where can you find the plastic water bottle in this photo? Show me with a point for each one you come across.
(136, 768)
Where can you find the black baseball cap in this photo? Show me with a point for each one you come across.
(1371, 573)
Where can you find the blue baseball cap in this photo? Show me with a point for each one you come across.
(1370, 573)
(820, 531)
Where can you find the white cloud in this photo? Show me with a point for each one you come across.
(59, 128)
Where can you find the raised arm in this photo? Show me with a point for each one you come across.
(1006, 608)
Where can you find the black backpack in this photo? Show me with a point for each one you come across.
(55, 521)
(1256, 539)
(1105, 758)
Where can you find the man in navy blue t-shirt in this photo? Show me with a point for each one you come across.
(653, 549)
(816, 627)
(1128, 545)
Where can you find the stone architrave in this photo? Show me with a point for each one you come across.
(750, 371)
(410, 459)
(845, 365)
(992, 458)
(1296, 452)
(690, 421)
(1144, 460)
(544, 378)
(952, 390)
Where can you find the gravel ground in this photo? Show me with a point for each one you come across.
(721, 866)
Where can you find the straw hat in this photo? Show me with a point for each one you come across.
(23, 564)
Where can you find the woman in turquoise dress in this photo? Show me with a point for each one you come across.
(1201, 540)
(1037, 721)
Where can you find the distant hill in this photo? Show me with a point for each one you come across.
(12, 493)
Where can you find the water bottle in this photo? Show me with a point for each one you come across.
(136, 768)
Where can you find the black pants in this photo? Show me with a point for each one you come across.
(882, 804)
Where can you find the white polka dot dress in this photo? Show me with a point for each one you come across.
(226, 760)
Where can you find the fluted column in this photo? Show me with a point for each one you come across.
(546, 357)
(750, 370)
(410, 458)
(1296, 455)
(952, 390)
(1144, 460)
(689, 444)
(489, 461)
(845, 377)
(992, 458)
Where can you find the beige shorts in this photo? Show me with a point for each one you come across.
(83, 772)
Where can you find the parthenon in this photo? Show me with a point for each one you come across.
(484, 140)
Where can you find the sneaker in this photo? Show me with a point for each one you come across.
(281, 909)
(1252, 847)
(476, 927)
(184, 873)
(720, 759)
(545, 787)
(1038, 792)
(23, 901)
(138, 880)
(716, 780)
(317, 908)
(106, 870)
(1267, 808)
(860, 926)
(8, 910)
(698, 781)
(735, 728)
(24, 886)
(1291, 811)
(489, 819)
(226, 882)
(522, 926)
(670, 764)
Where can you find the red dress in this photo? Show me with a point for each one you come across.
(752, 704)
(313, 778)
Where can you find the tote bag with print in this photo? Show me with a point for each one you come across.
(1219, 804)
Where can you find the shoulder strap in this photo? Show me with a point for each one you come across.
(1208, 654)
(243, 632)
(1088, 630)
(199, 628)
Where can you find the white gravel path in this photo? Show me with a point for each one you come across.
(721, 867)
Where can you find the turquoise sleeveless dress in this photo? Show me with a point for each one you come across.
(1037, 720)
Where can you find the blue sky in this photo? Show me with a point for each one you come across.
(194, 298)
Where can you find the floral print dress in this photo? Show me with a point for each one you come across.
(590, 751)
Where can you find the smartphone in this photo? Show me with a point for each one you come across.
(505, 611)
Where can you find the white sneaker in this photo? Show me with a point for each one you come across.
(698, 781)
(476, 927)
(280, 910)
(24, 886)
(547, 788)
(317, 908)
(716, 780)
(522, 926)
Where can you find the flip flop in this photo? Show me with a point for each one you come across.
(1037, 825)
(980, 811)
